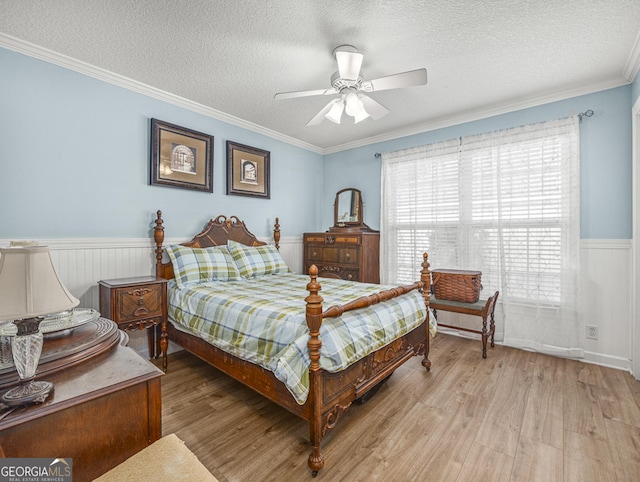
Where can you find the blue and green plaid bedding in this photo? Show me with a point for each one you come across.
(262, 320)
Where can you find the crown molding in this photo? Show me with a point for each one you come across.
(35, 51)
(75, 65)
(633, 62)
(479, 114)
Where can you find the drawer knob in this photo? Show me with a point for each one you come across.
(348, 256)
(350, 277)
(315, 254)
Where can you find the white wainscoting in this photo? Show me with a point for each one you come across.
(606, 288)
(606, 303)
(81, 263)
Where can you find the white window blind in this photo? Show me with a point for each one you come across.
(505, 203)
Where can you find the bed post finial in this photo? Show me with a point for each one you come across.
(425, 277)
(158, 237)
(276, 233)
(314, 320)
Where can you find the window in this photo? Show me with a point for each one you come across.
(505, 203)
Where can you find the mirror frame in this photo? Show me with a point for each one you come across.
(358, 208)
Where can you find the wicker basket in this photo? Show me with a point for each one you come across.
(456, 285)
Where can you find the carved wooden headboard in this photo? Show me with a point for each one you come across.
(216, 233)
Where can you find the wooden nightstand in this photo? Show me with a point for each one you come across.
(136, 304)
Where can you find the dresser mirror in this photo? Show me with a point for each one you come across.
(347, 211)
(348, 207)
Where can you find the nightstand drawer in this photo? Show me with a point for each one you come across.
(137, 302)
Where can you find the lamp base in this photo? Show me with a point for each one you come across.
(36, 391)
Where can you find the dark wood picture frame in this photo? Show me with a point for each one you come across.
(181, 157)
(248, 171)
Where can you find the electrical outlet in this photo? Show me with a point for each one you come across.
(592, 332)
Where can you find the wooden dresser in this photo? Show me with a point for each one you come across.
(350, 255)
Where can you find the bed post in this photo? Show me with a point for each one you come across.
(425, 277)
(276, 234)
(314, 320)
(158, 237)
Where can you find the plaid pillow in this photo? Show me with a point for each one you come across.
(197, 265)
(255, 261)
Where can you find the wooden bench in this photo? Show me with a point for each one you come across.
(481, 308)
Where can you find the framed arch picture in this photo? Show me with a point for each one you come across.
(181, 157)
(247, 171)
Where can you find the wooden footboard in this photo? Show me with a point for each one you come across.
(330, 395)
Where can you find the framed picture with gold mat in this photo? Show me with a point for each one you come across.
(247, 171)
(181, 157)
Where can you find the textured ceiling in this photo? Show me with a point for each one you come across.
(482, 57)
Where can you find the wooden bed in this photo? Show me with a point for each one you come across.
(330, 394)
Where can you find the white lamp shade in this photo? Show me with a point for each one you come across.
(29, 284)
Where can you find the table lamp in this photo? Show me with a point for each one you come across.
(29, 290)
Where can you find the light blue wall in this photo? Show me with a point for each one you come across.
(605, 145)
(74, 153)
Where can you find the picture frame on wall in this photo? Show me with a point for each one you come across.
(248, 171)
(181, 157)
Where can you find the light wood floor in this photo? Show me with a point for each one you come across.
(516, 416)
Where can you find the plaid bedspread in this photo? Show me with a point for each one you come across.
(262, 320)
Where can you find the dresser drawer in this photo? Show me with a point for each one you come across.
(313, 253)
(349, 256)
(137, 302)
(314, 238)
(326, 254)
(333, 271)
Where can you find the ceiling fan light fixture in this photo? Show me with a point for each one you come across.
(335, 113)
(350, 86)
(360, 116)
(349, 61)
(353, 105)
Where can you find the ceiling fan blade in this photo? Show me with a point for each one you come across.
(305, 93)
(349, 64)
(375, 109)
(396, 81)
(319, 117)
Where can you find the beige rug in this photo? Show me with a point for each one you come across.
(166, 460)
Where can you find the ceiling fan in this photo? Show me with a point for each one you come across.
(350, 87)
